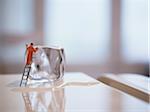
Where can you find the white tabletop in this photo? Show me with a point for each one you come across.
(77, 93)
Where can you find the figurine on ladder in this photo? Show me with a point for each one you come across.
(29, 51)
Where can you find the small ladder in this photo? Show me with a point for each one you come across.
(25, 75)
(27, 102)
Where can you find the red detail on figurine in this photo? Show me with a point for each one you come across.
(30, 51)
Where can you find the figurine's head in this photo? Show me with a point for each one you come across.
(31, 44)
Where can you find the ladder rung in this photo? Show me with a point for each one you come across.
(26, 70)
(27, 67)
(25, 75)
(23, 82)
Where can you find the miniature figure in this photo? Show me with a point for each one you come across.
(30, 50)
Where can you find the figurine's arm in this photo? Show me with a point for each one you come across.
(35, 49)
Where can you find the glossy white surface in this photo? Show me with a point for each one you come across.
(77, 93)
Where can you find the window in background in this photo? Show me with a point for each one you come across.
(17, 16)
(17, 19)
(17, 27)
(82, 27)
(135, 30)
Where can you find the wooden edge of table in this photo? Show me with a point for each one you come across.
(145, 96)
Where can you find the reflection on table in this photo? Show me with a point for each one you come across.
(78, 93)
(50, 101)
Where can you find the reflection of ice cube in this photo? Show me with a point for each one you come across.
(47, 63)
(45, 101)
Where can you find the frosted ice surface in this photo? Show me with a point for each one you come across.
(48, 63)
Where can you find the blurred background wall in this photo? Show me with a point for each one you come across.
(98, 36)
